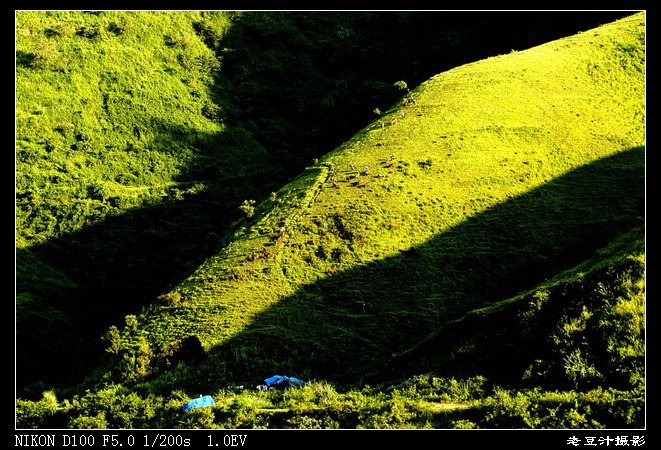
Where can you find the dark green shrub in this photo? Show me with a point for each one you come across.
(89, 422)
(88, 31)
(212, 112)
(198, 418)
(36, 414)
(115, 407)
(117, 28)
(211, 35)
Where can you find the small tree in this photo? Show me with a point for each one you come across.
(248, 208)
(401, 85)
(131, 322)
(113, 339)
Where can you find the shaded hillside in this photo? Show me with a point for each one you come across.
(578, 330)
(502, 174)
(123, 182)
(140, 133)
(347, 324)
(476, 195)
(305, 82)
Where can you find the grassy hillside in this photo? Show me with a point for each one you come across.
(123, 171)
(503, 173)
(503, 191)
(139, 135)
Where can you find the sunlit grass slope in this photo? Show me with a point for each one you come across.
(474, 258)
(500, 175)
(123, 166)
(84, 113)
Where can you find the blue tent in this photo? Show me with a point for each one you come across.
(206, 400)
(283, 382)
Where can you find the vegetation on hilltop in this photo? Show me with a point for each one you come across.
(508, 188)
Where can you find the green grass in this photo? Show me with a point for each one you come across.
(126, 174)
(523, 128)
(503, 184)
(102, 115)
(504, 173)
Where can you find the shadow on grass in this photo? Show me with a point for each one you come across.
(71, 289)
(348, 326)
(346, 64)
